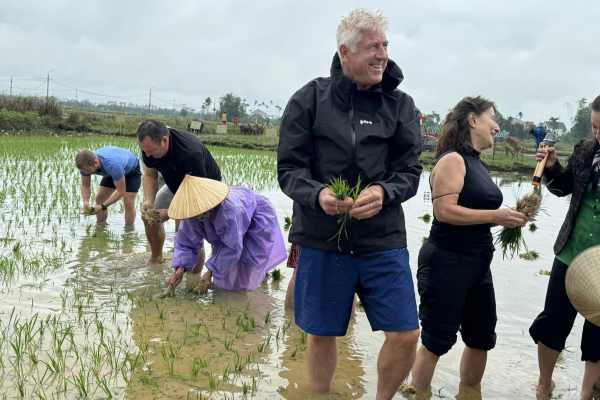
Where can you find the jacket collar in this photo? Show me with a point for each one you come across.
(392, 77)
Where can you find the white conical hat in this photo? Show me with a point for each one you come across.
(196, 196)
(583, 284)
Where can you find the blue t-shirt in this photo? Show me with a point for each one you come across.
(116, 162)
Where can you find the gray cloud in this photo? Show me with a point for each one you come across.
(529, 56)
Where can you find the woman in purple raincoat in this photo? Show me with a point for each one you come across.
(241, 226)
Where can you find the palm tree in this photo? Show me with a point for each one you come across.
(554, 124)
(271, 105)
(520, 114)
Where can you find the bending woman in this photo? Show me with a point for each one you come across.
(454, 278)
(578, 233)
(240, 225)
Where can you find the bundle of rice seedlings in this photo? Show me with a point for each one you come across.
(425, 218)
(152, 217)
(342, 191)
(89, 210)
(542, 272)
(169, 292)
(533, 227)
(511, 239)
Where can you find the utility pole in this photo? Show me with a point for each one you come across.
(11, 84)
(48, 84)
(173, 112)
(150, 103)
(76, 101)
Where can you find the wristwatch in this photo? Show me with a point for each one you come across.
(104, 208)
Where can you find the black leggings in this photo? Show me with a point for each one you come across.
(554, 324)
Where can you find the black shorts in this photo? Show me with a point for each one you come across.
(554, 324)
(457, 293)
(133, 181)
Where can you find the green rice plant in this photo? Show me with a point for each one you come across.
(226, 373)
(426, 218)
(223, 324)
(276, 274)
(533, 227)
(102, 383)
(81, 382)
(287, 223)
(511, 239)
(228, 344)
(148, 381)
(424, 239)
(342, 191)
(303, 336)
(245, 388)
(213, 384)
(20, 383)
(252, 322)
(239, 363)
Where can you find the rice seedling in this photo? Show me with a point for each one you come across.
(148, 381)
(102, 383)
(426, 218)
(303, 336)
(81, 382)
(342, 191)
(287, 223)
(267, 318)
(89, 210)
(226, 373)
(245, 388)
(276, 274)
(531, 255)
(228, 344)
(213, 384)
(424, 239)
(542, 272)
(511, 239)
(533, 227)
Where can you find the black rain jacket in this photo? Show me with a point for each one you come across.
(331, 129)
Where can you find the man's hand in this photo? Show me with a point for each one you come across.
(331, 205)
(97, 209)
(148, 205)
(369, 203)
(176, 278)
(541, 153)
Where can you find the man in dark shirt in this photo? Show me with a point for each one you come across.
(174, 153)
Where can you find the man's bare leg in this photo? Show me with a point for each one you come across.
(289, 295)
(547, 360)
(156, 238)
(424, 368)
(472, 365)
(396, 358)
(129, 201)
(102, 195)
(321, 355)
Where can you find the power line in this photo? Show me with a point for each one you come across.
(98, 94)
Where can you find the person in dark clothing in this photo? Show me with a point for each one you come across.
(539, 134)
(356, 123)
(454, 278)
(578, 233)
(174, 153)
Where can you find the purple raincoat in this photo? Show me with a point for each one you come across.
(246, 239)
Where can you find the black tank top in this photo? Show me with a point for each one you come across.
(479, 193)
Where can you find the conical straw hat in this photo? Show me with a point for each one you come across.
(196, 196)
(583, 284)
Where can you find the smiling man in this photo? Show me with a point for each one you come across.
(354, 124)
(174, 153)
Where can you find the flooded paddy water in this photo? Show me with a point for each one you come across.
(79, 316)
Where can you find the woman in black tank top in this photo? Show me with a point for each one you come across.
(454, 278)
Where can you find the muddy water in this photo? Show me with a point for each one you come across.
(97, 283)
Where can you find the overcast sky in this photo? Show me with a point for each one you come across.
(528, 56)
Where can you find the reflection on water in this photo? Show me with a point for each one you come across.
(97, 282)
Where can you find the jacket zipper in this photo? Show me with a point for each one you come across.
(349, 227)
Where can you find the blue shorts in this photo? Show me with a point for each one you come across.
(326, 282)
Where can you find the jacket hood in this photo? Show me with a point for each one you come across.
(392, 77)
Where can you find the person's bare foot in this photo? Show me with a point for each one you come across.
(157, 259)
(545, 389)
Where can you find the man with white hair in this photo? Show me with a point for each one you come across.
(355, 125)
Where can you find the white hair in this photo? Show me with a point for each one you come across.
(349, 32)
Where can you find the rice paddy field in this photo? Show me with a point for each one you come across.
(79, 315)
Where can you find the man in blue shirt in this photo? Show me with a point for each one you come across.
(122, 178)
(539, 134)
